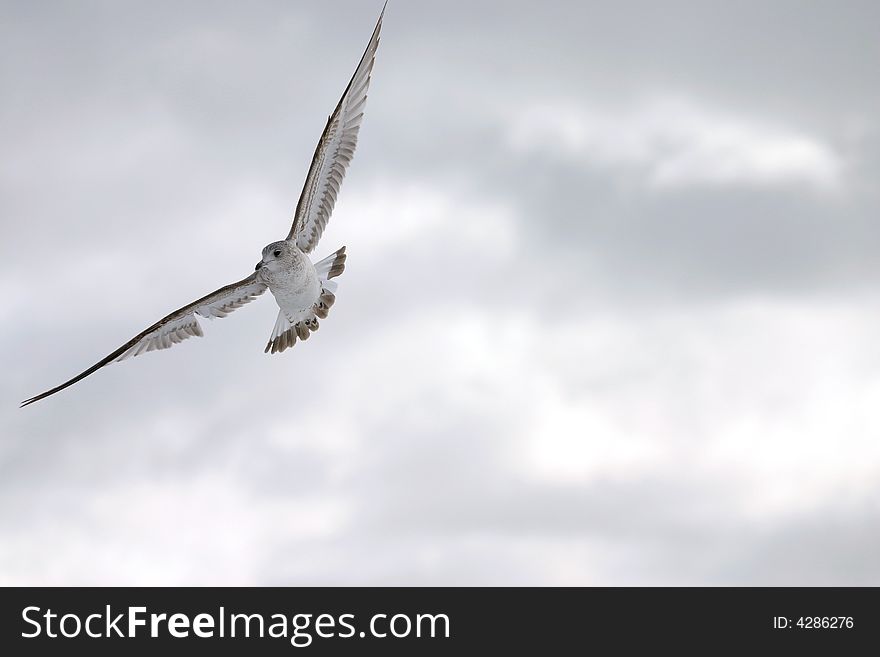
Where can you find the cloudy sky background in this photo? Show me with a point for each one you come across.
(610, 313)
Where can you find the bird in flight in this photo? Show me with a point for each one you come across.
(302, 289)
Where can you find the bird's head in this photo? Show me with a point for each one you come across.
(276, 256)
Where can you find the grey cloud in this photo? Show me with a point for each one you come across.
(150, 150)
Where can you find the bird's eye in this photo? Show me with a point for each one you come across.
(276, 252)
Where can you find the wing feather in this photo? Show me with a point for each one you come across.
(174, 327)
(333, 154)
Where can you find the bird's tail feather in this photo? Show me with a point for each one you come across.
(331, 266)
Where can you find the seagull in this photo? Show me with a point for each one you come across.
(303, 290)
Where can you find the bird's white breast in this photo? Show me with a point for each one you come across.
(296, 288)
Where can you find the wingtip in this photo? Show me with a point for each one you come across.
(36, 398)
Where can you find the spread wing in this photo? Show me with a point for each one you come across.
(333, 154)
(175, 327)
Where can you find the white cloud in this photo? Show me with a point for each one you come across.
(191, 529)
(445, 444)
(390, 215)
(674, 143)
(774, 398)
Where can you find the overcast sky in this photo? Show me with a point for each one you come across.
(609, 316)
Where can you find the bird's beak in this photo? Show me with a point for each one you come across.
(259, 264)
